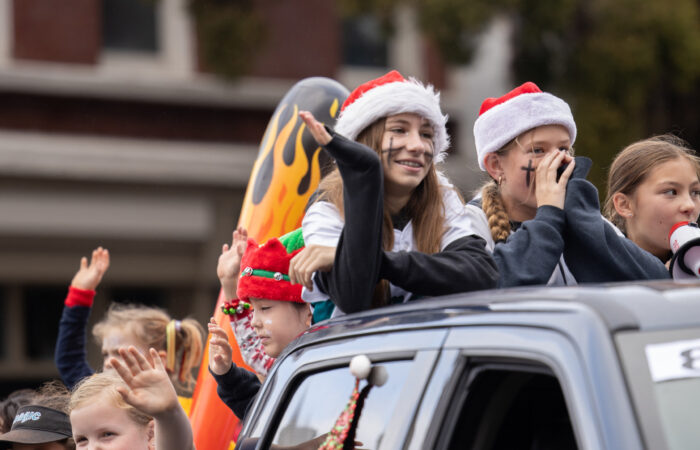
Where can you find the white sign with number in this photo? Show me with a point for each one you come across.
(674, 360)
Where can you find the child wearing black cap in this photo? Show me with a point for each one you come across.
(39, 428)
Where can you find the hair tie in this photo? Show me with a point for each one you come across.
(170, 332)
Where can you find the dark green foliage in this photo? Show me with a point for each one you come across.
(628, 68)
(229, 34)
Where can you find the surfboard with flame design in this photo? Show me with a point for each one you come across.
(285, 174)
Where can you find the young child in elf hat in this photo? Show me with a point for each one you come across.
(652, 185)
(134, 408)
(179, 343)
(279, 313)
(540, 221)
(387, 215)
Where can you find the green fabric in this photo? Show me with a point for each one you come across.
(293, 240)
(268, 274)
(322, 311)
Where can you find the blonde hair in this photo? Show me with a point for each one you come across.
(148, 324)
(53, 394)
(633, 164)
(492, 201)
(425, 207)
(105, 384)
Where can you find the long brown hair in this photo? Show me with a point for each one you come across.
(148, 325)
(425, 208)
(633, 164)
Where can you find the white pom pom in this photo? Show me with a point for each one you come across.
(378, 376)
(360, 366)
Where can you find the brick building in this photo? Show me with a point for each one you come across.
(111, 135)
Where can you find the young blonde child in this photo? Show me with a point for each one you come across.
(652, 185)
(136, 408)
(179, 343)
(279, 314)
(538, 214)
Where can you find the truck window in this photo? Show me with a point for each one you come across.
(501, 408)
(321, 397)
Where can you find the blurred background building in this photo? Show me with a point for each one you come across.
(134, 124)
(113, 132)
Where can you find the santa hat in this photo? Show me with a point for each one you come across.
(526, 107)
(265, 269)
(342, 435)
(389, 95)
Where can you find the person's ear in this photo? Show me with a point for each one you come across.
(163, 357)
(494, 165)
(308, 316)
(623, 205)
(151, 433)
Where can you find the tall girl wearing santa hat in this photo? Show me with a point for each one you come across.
(539, 215)
(388, 223)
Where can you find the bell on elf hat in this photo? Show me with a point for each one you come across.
(526, 107)
(265, 269)
(389, 95)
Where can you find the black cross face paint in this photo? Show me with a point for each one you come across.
(391, 151)
(429, 155)
(527, 170)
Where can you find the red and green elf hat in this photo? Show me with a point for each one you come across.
(265, 269)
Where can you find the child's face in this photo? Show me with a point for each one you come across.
(517, 188)
(103, 425)
(278, 323)
(407, 152)
(115, 338)
(669, 194)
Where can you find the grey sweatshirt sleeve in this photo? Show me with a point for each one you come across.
(531, 254)
(463, 265)
(594, 251)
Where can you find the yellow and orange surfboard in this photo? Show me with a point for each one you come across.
(285, 174)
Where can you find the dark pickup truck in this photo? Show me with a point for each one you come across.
(592, 367)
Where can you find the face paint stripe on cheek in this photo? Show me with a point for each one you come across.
(527, 170)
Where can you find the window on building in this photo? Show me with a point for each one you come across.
(130, 25)
(364, 42)
(42, 310)
(501, 407)
(321, 397)
(143, 295)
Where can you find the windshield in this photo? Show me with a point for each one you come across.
(663, 371)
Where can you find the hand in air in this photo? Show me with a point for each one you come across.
(229, 266)
(316, 128)
(308, 261)
(548, 190)
(90, 274)
(220, 350)
(149, 388)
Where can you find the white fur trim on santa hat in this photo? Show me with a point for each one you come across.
(502, 123)
(408, 96)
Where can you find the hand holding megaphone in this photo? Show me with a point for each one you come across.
(685, 245)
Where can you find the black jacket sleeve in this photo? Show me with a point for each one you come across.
(530, 255)
(351, 281)
(70, 355)
(463, 265)
(237, 388)
(594, 251)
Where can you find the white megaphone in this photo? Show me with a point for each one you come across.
(685, 245)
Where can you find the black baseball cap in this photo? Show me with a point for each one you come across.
(35, 424)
